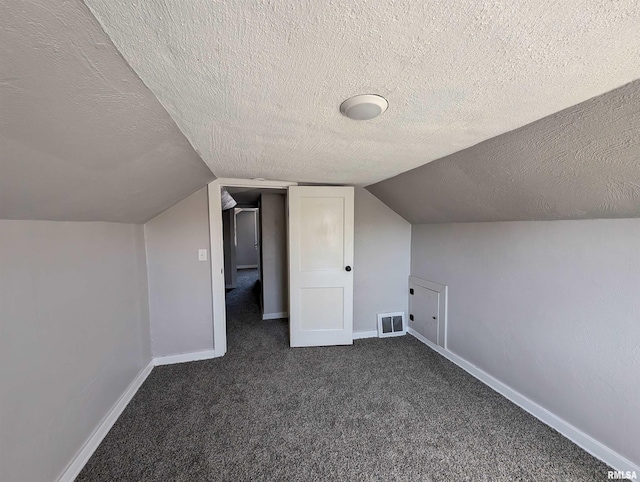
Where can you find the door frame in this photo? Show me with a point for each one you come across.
(216, 250)
(255, 232)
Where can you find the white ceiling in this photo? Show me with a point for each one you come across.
(256, 86)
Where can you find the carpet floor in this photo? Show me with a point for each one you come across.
(382, 409)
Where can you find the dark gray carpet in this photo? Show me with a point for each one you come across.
(388, 409)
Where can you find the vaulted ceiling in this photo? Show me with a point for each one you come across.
(116, 126)
(580, 163)
(256, 86)
(81, 137)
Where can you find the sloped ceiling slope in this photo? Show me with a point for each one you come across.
(581, 163)
(81, 137)
(256, 86)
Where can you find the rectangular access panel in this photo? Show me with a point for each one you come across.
(427, 306)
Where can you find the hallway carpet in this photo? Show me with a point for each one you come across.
(382, 409)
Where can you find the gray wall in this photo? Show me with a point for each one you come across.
(551, 309)
(74, 334)
(381, 269)
(275, 275)
(381, 261)
(246, 253)
(179, 284)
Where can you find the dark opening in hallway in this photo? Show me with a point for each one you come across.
(246, 330)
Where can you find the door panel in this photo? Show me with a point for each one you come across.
(424, 308)
(323, 308)
(322, 234)
(320, 250)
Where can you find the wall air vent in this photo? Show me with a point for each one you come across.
(391, 324)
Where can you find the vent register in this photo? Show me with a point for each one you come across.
(391, 324)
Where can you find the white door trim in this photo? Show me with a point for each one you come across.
(217, 254)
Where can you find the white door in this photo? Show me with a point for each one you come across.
(321, 265)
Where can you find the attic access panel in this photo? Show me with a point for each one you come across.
(428, 310)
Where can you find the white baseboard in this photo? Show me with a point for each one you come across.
(358, 335)
(586, 442)
(101, 431)
(184, 357)
(275, 316)
(246, 266)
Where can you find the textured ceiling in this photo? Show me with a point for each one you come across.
(256, 86)
(581, 163)
(81, 137)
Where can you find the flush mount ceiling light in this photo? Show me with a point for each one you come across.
(364, 107)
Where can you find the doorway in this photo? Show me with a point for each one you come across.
(232, 264)
(255, 264)
(319, 232)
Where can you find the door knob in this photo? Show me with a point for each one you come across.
(348, 268)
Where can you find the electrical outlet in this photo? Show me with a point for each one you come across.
(202, 255)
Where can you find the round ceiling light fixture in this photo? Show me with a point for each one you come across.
(364, 107)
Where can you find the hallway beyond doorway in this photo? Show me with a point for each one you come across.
(245, 325)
